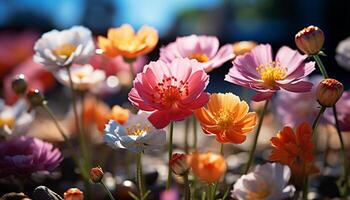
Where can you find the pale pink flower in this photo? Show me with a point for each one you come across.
(257, 70)
(171, 91)
(205, 49)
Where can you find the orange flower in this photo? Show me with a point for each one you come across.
(96, 112)
(123, 41)
(73, 194)
(227, 117)
(295, 150)
(119, 114)
(208, 167)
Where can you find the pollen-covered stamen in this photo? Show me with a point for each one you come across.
(271, 72)
(65, 50)
(7, 120)
(200, 57)
(224, 119)
(169, 91)
(137, 129)
(262, 193)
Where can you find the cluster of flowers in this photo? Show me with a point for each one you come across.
(172, 89)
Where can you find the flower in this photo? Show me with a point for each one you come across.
(171, 194)
(227, 117)
(205, 49)
(178, 163)
(119, 114)
(171, 91)
(84, 77)
(310, 40)
(56, 49)
(329, 91)
(73, 194)
(295, 150)
(242, 47)
(23, 156)
(343, 53)
(14, 120)
(136, 135)
(295, 108)
(257, 70)
(343, 111)
(96, 174)
(208, 167)
(268, 181)
(123, 41)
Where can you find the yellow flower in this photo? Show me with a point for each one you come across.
(123, 41)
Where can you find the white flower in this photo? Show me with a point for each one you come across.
(136, 135)
(14, 120)
(84, 77)
(62, 48)
(343, 53)
(264, 182)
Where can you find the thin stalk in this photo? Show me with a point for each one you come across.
(83, 130)
(187, 127)
(320, 66)
(170, 149)
(132, 71)
(187, 187)
(252, 150)
(107, 190)
(217, 182)
(139, 174)
(194, 133)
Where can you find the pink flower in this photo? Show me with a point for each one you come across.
(171, 91)
(205, 49)
(257, 70)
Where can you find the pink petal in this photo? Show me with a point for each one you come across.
(135, 99)
(301, 86)
(261, 96)
(262, 54)
(188, 45)
(159, 119)
(209, 45)
(290, 58)
(225, 53)
(198, 102)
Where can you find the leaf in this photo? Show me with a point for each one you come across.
(133, 195)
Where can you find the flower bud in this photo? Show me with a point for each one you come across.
(178, 163)
(73, 194)
(310, 40)
(19, 84)
(35, 97)
(96, 174)
(242, 47)
(328, 92)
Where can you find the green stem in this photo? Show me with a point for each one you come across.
(107, 190)
(305, 185)
(343, 150)
(139, 174)
(217, 182)
(320, 65)
(187, 127)
(132, 71)
(194, 133)
(187, 187)
(170, 149)
(83, 130)
(252, 150)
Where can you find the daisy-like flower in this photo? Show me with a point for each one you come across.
(26, 155)
(257, 70)
(14, 120)
(343, 53)
(136, 135)
(84, 77)
(205, 49)
(343, 111)
(123, 41)
(171, 91)
(227, 117)
(264, 182)
(56, 49)
(295, 150)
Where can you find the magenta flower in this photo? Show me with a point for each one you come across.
(205, 49)
(343, 111)
(171, 91)
(25, 155)
(257, 70)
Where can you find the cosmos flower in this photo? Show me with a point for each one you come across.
(136, 135)
(227, 117)
(171, 91)
(257, 70)
(264, 182)
(84, 77)
(295, 108)
(295, 150)
(208, 167)
(123, 41)
(343, 111)
(343, 53)
(14, 120)
(205, 49)
(23, 156)
(56, 49)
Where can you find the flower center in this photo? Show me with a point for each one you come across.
(169, 91)
(137, 129)
(259, 195)
(80, 74)
(65, 50)
(271, 72)
(200, 57)
(8, 120)
(224, 119)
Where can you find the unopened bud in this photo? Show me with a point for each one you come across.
(35, 97)
(310, 40)
(178, 163)
(19, 84)
(96, 174)
(73, 194)
(328, 92)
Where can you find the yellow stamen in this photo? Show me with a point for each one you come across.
(9, 121)
(137, 129)
(200, 57)
(65, 50)
(224, 119)
(80, 74)
(259, 195)
(271, 72)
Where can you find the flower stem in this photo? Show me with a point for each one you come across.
(252, 150)
(217, 182)
(194, 133)
(139, 174)
(345, 166)
(132, 71)
(320, 65)
(107, 190)
(187, 187)
(187, 127)
(170, 149)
